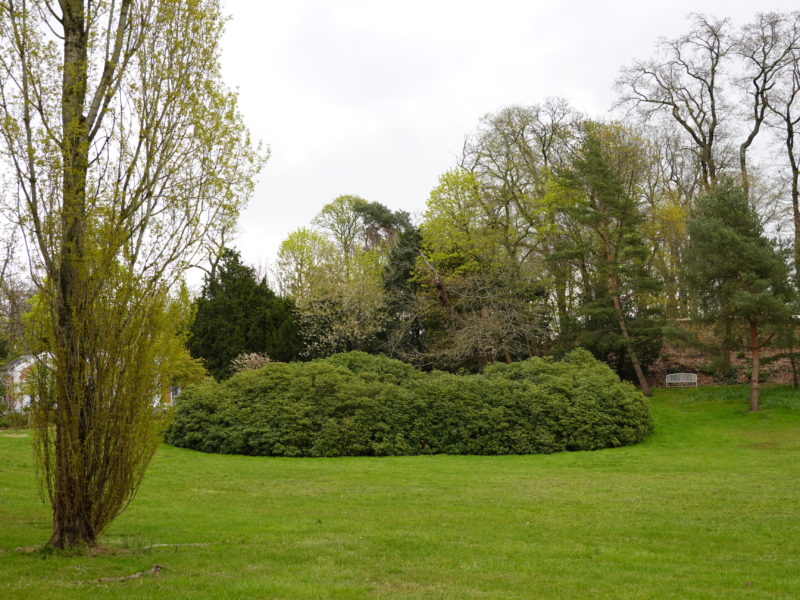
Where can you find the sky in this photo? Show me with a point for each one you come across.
(375, 98)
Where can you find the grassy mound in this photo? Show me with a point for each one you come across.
(355, 404)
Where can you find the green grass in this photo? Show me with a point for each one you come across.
(708, 507)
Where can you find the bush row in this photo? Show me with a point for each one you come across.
(10, 419)
(357, 404)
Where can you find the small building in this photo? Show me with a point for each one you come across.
(13, 375)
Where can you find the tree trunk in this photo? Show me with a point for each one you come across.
(796, 220)
(795, 171)
(743, 170)
(755, 349)
(71, 507)
(726, 349)
(637, 367)
(560, 288)
(71, 529)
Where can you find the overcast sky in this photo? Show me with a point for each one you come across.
(374, 97)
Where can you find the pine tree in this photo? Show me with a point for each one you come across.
(236, 314)
(600, 200)
(741, 280)
(402, 336)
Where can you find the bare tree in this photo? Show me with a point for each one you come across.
(768, 47)
(784, 104)
(685, 83)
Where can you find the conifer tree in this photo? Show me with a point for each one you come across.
(237, 313)
(600, 189)
(738, 275)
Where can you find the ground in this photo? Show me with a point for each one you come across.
(706, 508)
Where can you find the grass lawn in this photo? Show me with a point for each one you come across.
(708, 507)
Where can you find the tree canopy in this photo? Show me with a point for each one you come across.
(237, 313)
(739, 277)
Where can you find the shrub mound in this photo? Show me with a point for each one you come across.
(356, 404)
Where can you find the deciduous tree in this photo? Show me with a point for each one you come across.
(127, 155)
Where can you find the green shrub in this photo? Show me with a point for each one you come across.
(10, 419)
(594, 408)
(372, 366)
(356, 404)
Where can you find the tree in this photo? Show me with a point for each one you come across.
(305, 260)
(483, 300)
(343, 311)
(738, 275)
(685, 82)
(602, 197)
(239, 314)
(334, 274)
(784, 105)
(402, 334)
(768, 47)
(513, 155)
(380, 225)
(127, 155)
(341, 219)
(720, 88)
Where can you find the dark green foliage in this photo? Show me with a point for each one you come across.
(402, 334)
(379, 222)
(600, 335)
(236, 314)
(599, 410)
(375, 367)
(741, 280)
(617, 318)
(357, 404)
(732, 266)
(10, 419)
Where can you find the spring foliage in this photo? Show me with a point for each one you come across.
(126, 156)
(357, 404)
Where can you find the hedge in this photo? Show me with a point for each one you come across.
(355, 404)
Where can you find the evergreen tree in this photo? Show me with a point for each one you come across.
(236, 314)
(601, 185)
(738, 275)
(402, 335)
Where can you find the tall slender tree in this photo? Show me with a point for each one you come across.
(128, 154)
(601, 185)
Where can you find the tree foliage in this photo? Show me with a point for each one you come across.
(739, 277)
(721, 88)
(236, 313)
(127, 155)
(334, 274)
(602, 188)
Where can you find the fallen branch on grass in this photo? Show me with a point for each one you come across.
(174, 545)
(154, 571)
